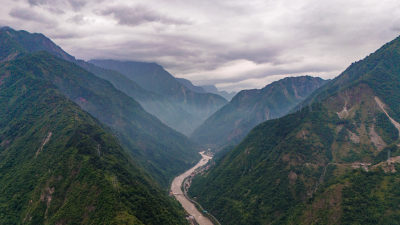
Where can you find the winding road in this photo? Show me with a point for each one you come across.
(186, 204)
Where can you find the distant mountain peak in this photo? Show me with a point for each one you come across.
(4, 28)
(16, 43)
(193, 106)
(251, 107)
(213, 89)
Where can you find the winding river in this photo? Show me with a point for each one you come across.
(177, 192)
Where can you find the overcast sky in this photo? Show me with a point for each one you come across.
(235, 44)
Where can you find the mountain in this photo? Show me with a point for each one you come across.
(15, 43)
(206, 89)
(190, 85)
(163, 152)
(160, 106)
(152, 77)
(335, 161)
(59, 165)
(213, 89)
(248, 108)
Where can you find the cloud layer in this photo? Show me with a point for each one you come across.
(235, 44)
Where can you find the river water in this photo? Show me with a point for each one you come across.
(177, 192)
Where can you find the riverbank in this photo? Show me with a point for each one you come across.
(189, 206)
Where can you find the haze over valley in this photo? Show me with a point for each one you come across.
(212, 112)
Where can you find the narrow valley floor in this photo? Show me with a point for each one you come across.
(186, 203)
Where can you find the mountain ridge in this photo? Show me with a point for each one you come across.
(60, 165)
(206, 89)
(248, 108)
(325, 163)
(215, 90)
(143, 135)
(154, 78)
(152, 143)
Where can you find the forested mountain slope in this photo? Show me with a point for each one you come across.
(59, 165)
(161, 150)
(324, 164)
(16, 43)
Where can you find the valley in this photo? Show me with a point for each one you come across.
(177, 127)
(187, 204)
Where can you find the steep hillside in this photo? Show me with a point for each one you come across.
(58, 165)
(16, 43)
(190, 85)
(154, 78)
(161, 150)
(160, 106)
(206, 89)
(231, 123)
(213, 89)
(324, 164)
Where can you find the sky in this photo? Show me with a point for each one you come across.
(234, 44)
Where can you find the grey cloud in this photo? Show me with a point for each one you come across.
(262, 54)
(30, 15)
(55, 10)
(137, 15)
(77, 19)
(283, 37)
(65, 36)
(75, 4)
(304, 70)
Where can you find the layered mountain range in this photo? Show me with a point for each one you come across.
(60, 165)
(206, 89)
(175, 104)
(158, 92)
(99, 142)
(161, 150)
(333, 161)
(74, 148)
(230, 124)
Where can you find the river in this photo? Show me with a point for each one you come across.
(177, 192)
